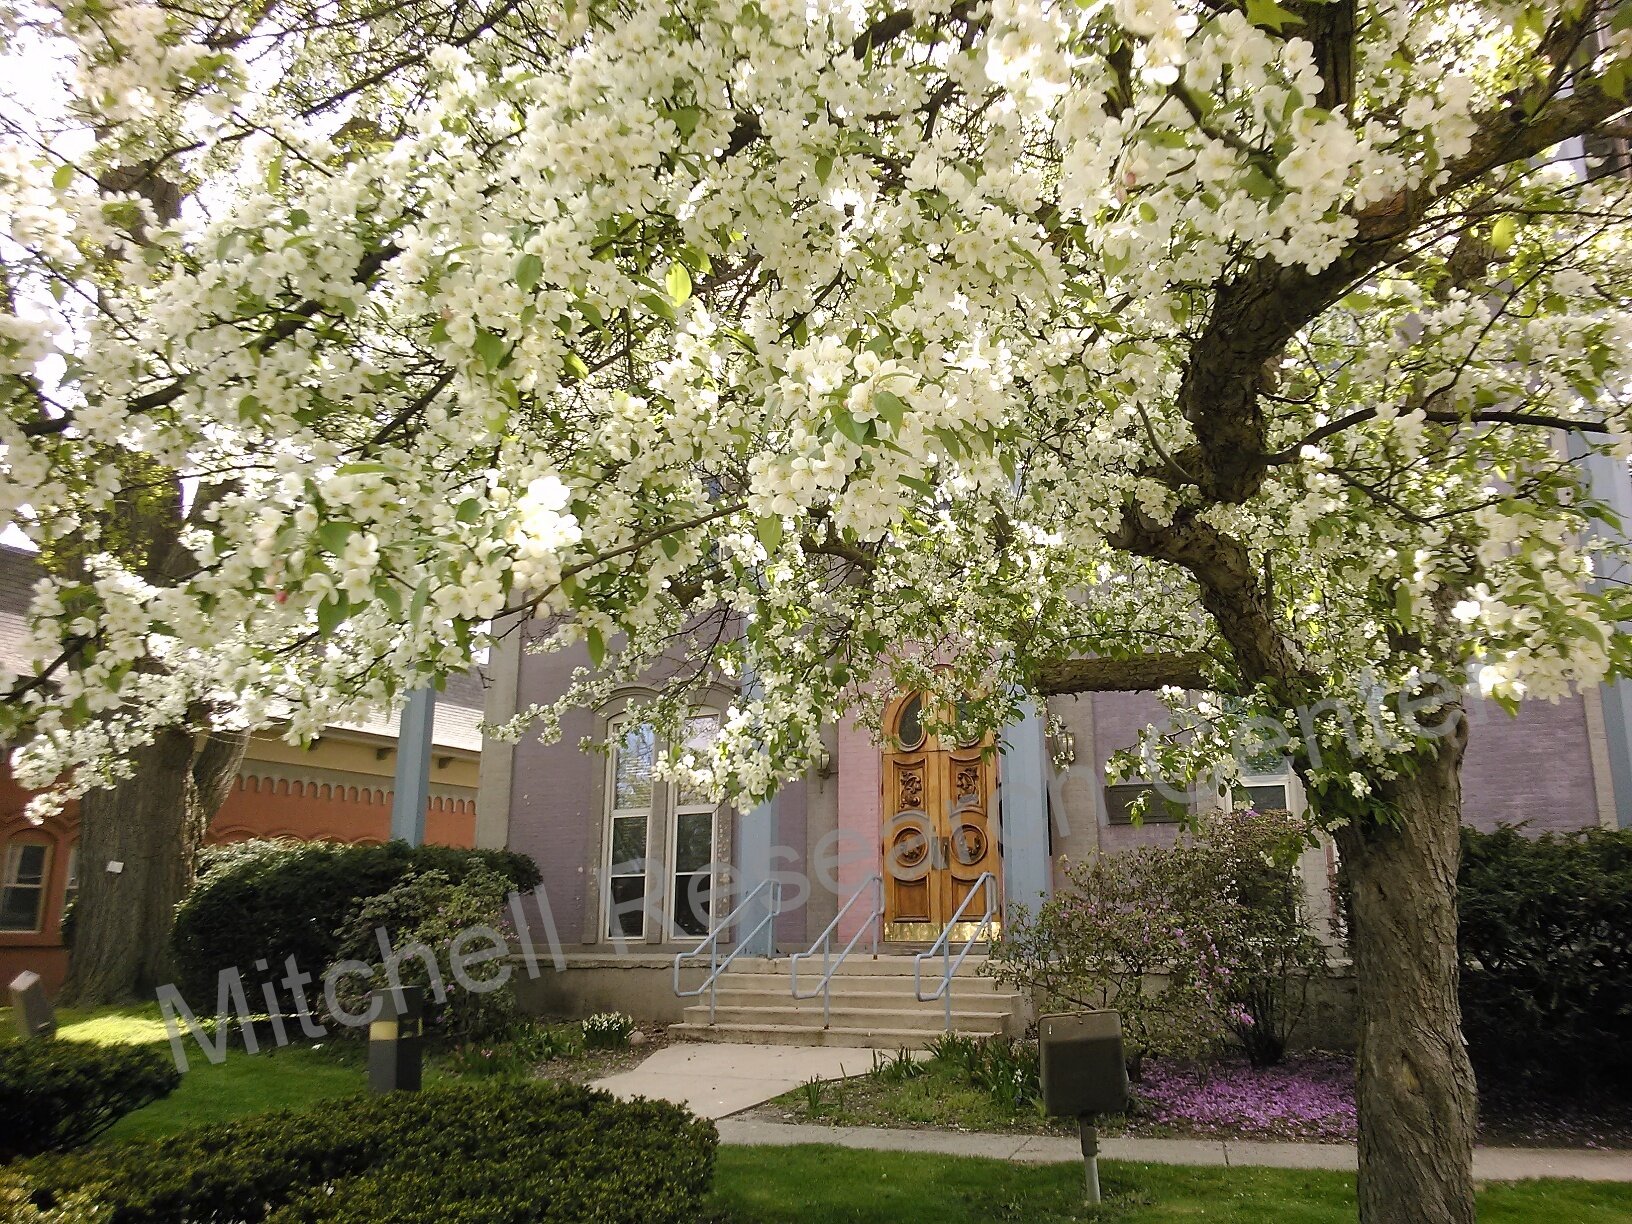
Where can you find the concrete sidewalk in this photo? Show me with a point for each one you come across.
(716, 1079)
(1489, 1164)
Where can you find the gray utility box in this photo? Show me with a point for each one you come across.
(1082, 1067)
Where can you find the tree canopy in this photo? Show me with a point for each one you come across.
(1247, 348)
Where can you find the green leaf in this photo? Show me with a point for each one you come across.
(490, 348)
(335, 536)
(575, 365)
(658, 305)
(824, 167)
(469, 510)
(597, 646)
(770, 532)
(677, 280)
(891, 407)
(63, 177)
(670, 547)
(1271, 16)
(686, 119)
(1504, 233)
(388, 594)
(528, 269)
(850, 427)
(331, 614)
(416, 606)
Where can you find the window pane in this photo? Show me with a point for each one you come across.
(20, 909)
(1159, 809)
(628, 841)
(700, 732)
(1267, 798)
(628, 914)
(693, 840)
(26, 865)
(909, 728)
(632, 768)
(691, 903)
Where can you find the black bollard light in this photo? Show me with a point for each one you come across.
(1083, 1075)
(395, 1039)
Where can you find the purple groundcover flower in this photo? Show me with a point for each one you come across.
(1309, 1096)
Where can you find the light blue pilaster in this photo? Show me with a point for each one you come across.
(412, 790)
(1023, 800)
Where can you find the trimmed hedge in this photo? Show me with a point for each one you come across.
(1546, 948)
(57, 1095)
(473, 1154)
(270, 900)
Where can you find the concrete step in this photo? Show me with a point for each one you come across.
(862, 988)
(806, 1035)
(860, 964)
(926, 1017)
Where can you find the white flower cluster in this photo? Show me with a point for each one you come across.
(786, 346)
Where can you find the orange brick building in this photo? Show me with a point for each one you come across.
(337, 789)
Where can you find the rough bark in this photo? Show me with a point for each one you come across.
(153, 825)
(1414, 1085)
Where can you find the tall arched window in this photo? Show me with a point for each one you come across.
(22, 887)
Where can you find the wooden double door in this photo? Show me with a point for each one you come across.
(940, 824)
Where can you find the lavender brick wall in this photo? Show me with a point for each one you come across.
(1535, 767)
(1118, 720)
(556, 802)
(555, 795)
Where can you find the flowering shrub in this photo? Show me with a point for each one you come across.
(423, 917)
(1309, 1097)
(1273, 956)
(1117, 921)
(1191, 944)
(608, 1030)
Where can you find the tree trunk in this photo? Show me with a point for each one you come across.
(152, 825)
(1415, 1087)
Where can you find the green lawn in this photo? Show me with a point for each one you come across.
(241, 1084)
(825, 1185)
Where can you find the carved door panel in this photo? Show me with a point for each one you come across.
(971, 832)
(911, 849)
(940, 828)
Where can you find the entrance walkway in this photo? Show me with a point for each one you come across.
(1489, 1164)
(713, 1080)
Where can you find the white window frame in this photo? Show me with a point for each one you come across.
(616, 729)
(9, 880)
(70, 879)
(671, 867)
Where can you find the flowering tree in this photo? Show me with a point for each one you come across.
(1099, 345)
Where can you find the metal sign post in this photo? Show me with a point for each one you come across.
(1083, 1075)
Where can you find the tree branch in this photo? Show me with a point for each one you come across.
(1058, 677)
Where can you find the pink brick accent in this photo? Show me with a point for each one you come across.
(860, 776)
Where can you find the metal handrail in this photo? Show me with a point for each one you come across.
(942, 947)
(825, 942)
(715, 965)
